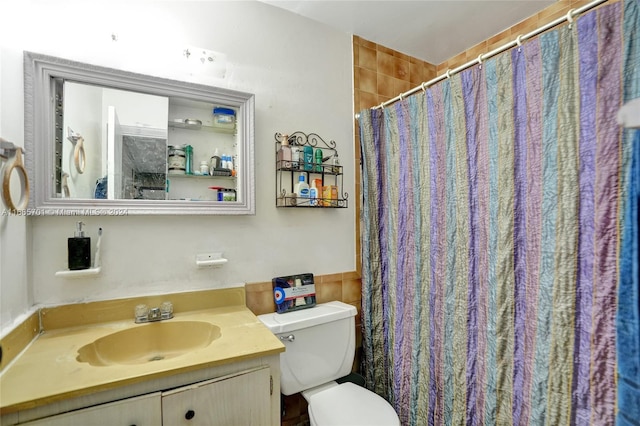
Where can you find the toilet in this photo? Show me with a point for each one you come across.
(320, 347)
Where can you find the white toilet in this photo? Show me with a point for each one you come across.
(320, 346)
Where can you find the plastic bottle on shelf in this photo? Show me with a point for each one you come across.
(301, 188)
(204, 168)
(318, 160)
(295, 157)
(284, 153)
(307, 153)
(189, 163)
(313, 194)
(215, 162)
(336, 163)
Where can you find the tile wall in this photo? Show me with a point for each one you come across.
(555, 11)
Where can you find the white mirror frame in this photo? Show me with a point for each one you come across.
(39, 72)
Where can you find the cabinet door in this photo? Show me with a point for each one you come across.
(139, 411)
(242, 399)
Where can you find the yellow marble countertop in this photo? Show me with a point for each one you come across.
(47, 371)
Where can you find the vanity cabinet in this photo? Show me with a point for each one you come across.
(144, 410)
(242, 399)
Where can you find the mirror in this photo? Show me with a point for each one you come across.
(106, 141)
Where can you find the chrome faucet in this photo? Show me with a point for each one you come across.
(144, 314)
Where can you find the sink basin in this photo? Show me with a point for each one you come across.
(149, 342)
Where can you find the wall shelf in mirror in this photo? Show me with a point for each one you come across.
(128, 121)
(180, 124)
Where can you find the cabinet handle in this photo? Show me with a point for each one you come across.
(190, 414)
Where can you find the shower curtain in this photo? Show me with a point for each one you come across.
(494, 237)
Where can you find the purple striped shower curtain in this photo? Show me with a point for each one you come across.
(492, 211)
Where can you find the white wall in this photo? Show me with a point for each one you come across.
(83, 114)
(301, 74)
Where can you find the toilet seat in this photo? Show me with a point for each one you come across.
(350, 405)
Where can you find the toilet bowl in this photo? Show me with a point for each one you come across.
(320, 348)
(348, 404)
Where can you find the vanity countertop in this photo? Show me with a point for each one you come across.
(47, 371)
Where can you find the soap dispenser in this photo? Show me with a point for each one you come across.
(79, 248)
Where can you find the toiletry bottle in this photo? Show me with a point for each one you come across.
(79, 248)
(204, 168)
(336, 164)
(313, 193)
(188, 150)
(308, 157)
(295, 157)
(215, 162)
(302, 188)
(318, 160)
(284, 153)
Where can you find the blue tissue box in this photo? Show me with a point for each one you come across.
(293, 292)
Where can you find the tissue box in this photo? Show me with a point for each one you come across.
(293, 292)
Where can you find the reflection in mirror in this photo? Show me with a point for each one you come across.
(124, 138)
(110, 138)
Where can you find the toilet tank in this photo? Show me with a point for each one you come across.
(320, 344)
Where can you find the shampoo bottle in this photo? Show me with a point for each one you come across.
(79, 248)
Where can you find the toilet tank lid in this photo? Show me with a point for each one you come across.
(320, 314)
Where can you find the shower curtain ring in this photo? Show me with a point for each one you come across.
(570, 17)
(448, 73)
(519, 42)
(424, 89)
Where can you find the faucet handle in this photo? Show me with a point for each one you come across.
(141, 312)
(166, 310)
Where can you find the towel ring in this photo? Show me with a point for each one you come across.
(15, 163)
(79, 157)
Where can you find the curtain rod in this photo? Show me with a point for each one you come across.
(517, 42)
